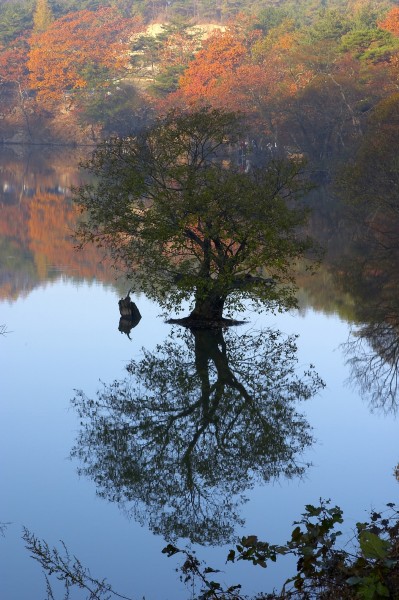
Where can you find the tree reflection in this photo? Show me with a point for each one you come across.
(370, 271)
(373, 349)
(374, 357)
(370, 274)
(195, 424)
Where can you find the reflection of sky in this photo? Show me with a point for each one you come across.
(65, 336)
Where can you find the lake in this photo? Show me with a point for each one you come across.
(110, 480)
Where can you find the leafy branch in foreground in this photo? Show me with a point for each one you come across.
(68, 569)
(368, 571)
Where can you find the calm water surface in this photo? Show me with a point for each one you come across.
(60, 309)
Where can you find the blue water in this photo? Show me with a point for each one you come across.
(63, 335)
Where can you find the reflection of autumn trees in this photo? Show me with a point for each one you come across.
(37, 223)
(194, 425)
(52, 220)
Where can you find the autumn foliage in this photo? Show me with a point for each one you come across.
(82, 50)
(13, 63)
(306, 80)
(391, 21)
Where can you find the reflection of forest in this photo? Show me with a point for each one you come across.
(370, 274)
(38, 220)
(368, 267)
(194, 425)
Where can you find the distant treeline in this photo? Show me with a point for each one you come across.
(17, 15)
(307, 75)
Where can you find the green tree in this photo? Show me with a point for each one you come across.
(164, 56)
(15, 18)
(119, 111)
(145, 55)
(172, 206)
(370, 44)
(43, 16)
(331, 25)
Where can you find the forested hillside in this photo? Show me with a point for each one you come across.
(307, 74)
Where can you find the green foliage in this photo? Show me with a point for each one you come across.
(94, 74)
(15, 18)
(369, 44)
(312, 542)
(145, 54)
(330, 26)
(367, 571)
(171, 202)
(118, 110)
(271, 17)
(127, 8)
(368, 15)
(167, 80)
(63, 7)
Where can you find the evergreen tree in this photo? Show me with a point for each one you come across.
(43, 16)
(14, 19)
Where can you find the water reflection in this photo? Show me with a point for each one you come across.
(373, 355)
(37, 221)
(370, 274)
(194, 425)
(130, 315)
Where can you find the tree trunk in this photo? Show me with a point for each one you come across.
(209, 307)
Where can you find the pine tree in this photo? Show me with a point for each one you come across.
(43, 16)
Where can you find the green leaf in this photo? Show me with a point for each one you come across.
(251, 540)
(382, 590)
(354, 580)
(312, 510)
(372, 546)
(296, 534)
(170, 550)
(262, 564)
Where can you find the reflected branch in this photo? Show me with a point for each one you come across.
(195, 424)
(373, 356)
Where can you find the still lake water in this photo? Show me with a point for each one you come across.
(61, 314)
